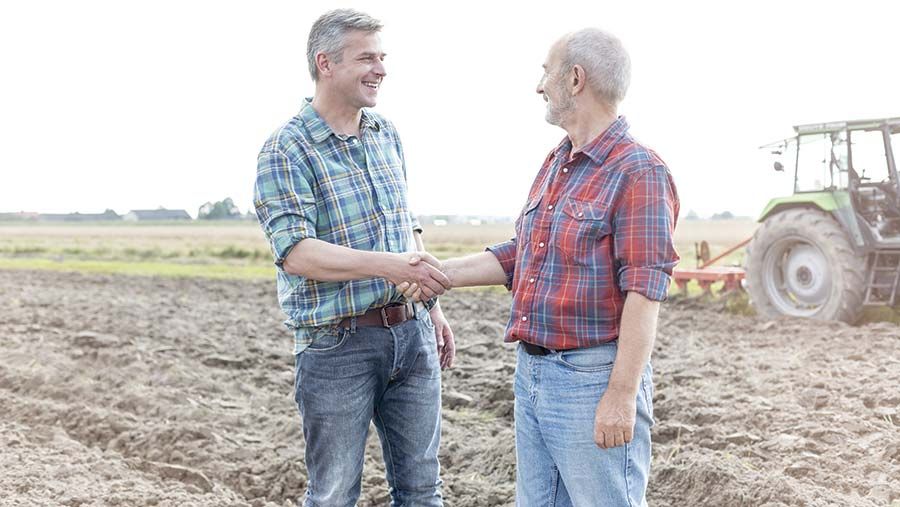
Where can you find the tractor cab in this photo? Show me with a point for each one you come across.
(834, 245)
(854, 162)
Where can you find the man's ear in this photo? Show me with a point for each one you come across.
(323, 64)
(579, 79)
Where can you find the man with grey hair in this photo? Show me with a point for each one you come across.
(330, 196)
(589, 264)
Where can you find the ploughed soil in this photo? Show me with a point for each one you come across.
(140, 391)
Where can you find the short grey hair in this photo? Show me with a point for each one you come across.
(328, 32)
(605, 62)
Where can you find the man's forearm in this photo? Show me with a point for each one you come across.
(477, 269)
(637, 333)
(319, 260)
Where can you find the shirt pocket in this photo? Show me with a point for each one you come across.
(584, 224)
(525, 223)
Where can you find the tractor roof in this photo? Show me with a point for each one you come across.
(837, 126)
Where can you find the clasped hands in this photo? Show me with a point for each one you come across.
(419, 277)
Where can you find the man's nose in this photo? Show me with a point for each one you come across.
(379, 68)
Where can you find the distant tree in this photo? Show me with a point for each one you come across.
(725, 215)
(692, 215)
(220, 210)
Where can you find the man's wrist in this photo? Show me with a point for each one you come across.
(623, 388)
(382, 264)
(450, 268)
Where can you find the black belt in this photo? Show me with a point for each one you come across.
(535, 350)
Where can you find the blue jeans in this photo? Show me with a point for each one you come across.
(558, 463)
(391, 376)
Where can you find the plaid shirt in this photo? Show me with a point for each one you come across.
(313, 183)
(595, 226)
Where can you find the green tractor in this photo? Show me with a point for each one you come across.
(834, 245)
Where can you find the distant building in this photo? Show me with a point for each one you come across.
(472, 220)
(156, 214)
(19, 216)
(79, 217)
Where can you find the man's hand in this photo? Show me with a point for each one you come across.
(444, 337)
(615, 417)
(411, 290)
(426, 276)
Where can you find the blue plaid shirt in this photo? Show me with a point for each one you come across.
(349, 191)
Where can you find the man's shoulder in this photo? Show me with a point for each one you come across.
(633, 157)
(291, 138)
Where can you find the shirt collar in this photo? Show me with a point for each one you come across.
(319, 130)
(600, 148)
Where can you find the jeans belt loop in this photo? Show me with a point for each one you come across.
(384, 318)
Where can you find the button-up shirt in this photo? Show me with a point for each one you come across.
(597, 224)
(345, 190)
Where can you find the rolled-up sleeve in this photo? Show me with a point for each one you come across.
(284, 202)
(506, 253)
(644, 234)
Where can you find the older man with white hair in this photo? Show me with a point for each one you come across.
(589, 264)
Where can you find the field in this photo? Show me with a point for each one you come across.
(239, 250)
(174, 388)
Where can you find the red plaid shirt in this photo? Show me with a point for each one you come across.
(596, 225)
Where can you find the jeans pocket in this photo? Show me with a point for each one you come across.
(425, 317)
(590, 360)
(647, 391)
(328, 340)
(426, 364)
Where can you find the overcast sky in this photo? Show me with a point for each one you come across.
(128, 105)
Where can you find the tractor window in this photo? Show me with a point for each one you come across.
(868, 156)
(895, 146)
(822, 163)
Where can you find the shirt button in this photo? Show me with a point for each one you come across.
(541, 244)
(580, 214)
(550, 207)
(531, 280)
(565, 169)
(524, 318)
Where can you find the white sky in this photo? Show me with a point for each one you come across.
(129, 105)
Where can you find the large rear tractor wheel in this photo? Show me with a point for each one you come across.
(801, 263)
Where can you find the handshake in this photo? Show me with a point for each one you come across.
(419, 276)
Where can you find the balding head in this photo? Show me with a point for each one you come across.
(606, 64)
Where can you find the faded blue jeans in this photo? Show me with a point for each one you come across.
(558, 463)
(391, 376)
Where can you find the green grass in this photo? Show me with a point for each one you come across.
(220, 271)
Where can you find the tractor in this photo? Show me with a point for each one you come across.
(833, 246)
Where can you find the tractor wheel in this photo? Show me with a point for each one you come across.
(801, 263)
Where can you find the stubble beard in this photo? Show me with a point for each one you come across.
(557, 113)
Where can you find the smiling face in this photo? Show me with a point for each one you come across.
(552, 87)
(358, 75)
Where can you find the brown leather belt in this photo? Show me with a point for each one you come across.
(386, 316)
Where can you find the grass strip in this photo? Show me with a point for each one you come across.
(165, 269)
